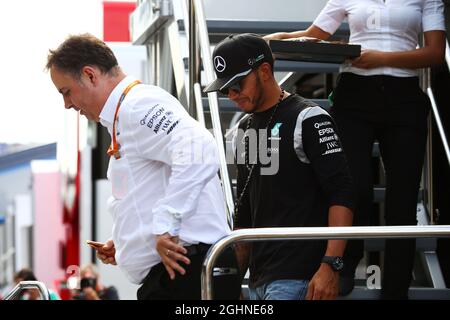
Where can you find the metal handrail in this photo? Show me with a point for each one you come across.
(194, 58)
(199, 104)
(313, 233)
(447, 54)
(439, 124)
(24, 285)
(203, 37)
(434, 107)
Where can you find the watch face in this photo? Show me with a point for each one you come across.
(338, 264)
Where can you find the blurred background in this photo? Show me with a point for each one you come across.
(41, 225)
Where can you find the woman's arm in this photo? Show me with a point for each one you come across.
(431, 54)
(313, 32)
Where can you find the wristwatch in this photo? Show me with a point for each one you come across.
(337, 263)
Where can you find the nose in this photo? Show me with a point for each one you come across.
(232, 94)
(68, 103)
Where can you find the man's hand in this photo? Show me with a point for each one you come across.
(171, 252)
(324, 285)
(107, 253)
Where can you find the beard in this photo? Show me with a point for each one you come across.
(258, 98)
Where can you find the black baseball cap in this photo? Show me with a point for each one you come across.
(235, 57)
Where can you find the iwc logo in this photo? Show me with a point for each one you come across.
(219, 64)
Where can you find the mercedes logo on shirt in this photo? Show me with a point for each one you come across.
(219, 64)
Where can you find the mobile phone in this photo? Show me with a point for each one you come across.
(95, 244)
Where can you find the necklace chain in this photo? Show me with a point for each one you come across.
(250, 168)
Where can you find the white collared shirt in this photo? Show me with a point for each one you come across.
(165, 181)
(384, 25)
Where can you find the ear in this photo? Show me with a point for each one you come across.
(266, 71)
(90, 73)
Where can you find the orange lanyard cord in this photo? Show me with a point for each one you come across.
(114, 147)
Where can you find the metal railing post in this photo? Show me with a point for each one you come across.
(439, 124)
(313, 233)
(194, 57)
(214, 106)
(24, 285)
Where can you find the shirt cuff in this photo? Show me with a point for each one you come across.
(167, 220)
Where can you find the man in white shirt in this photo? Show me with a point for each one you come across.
(166, 203)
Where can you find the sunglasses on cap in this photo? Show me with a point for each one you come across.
(235, 87)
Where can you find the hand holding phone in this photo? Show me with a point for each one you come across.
(105, 251)
(95, 244)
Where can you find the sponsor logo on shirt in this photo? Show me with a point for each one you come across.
(144, 120)
(276, 129)
(155, 117)
(332, 151)
(334, 137)
(318, 125)
(326, 131)
(328, 137)
(172, 126)
(161, 120)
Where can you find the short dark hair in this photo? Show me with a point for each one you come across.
(78, 51)
(25, 274)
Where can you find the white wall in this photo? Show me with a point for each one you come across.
(23, 214)
(48, 230)
(265, 10)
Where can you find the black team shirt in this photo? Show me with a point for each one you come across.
(312, 175)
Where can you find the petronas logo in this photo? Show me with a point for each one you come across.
(276, 129)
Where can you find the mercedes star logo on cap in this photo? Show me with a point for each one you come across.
(219, 64)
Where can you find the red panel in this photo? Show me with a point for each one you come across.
(115, 20)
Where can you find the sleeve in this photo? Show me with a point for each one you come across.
(319, 145)
(163, 131)
(242, 218)
(331, 16)
(433, 15)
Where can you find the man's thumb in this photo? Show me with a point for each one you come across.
(108, 245)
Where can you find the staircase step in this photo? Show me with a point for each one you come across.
(415, 293)
(226, 105)
(379, 192)
(422, 244)
(305, 67)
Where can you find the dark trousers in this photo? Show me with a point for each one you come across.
(393, 111)
(158, 286)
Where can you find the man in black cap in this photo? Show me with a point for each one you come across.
(310, 186)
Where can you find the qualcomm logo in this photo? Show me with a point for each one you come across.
(276, 129)
(219, 64)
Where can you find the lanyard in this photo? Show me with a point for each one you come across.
(113, 149)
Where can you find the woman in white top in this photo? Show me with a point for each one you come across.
(378, 97)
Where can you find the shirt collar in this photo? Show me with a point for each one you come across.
(109, 109)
